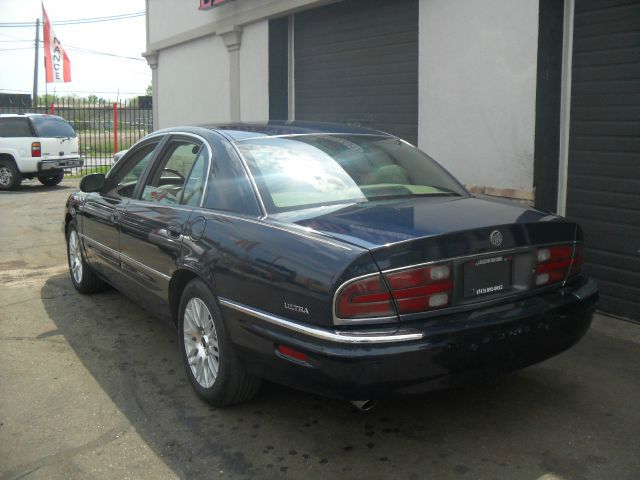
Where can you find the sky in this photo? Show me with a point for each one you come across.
(91, 73)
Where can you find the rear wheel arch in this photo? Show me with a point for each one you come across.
(179, 280)
(9, 157)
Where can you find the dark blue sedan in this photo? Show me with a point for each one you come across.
(342, 261)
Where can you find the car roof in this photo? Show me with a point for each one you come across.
(21, 115)
(245, 130)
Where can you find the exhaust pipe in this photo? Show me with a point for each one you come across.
(364, 405)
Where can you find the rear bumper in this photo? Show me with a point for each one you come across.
(59, 164)
(423, 356)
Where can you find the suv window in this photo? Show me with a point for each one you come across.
(124, 182)
(15, 127)
(50, 126)
(166, 184)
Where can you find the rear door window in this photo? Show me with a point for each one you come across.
(49, 126)
(15, 127)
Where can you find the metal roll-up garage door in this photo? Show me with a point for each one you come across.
(356, 62)
(603, 189)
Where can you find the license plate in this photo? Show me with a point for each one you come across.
(486, 276)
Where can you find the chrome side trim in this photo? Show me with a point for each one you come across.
(153, 271)
(101, 245)
(321, 333)
(127, 258)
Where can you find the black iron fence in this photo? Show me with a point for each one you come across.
(103, 128)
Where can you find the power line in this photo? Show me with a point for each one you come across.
(79, 50)
(76, 21)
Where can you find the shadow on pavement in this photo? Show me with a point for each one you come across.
(282, 432)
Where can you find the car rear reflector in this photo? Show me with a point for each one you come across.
(421, 289)
(36, 150)
(365, 298)
(556, 263)
(292, 353)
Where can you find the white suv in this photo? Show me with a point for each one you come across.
(35, 145)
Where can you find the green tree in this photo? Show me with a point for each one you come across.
(150, 89)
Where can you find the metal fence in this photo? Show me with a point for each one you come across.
(103, 128)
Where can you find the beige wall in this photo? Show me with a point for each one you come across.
(254, 72)
(193, 83)
(477, 92)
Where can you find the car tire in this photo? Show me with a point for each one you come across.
(210, 359)
(84, 279)
(10, 176)
(51, 180)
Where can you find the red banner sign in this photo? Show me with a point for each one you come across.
(56, 62)
(208, 4)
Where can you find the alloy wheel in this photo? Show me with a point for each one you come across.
(201, 342)
(5, 176)
(75, 256)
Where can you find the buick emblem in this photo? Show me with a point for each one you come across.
(496, 238)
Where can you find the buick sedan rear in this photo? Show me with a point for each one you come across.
(341, 261)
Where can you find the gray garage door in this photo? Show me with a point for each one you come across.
(604, 156)
(357, 62)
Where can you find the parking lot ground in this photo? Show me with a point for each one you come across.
(93, 387)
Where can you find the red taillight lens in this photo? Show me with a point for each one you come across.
(554, 264)
(35, 149)
(421, 289)
(365, 298)
(415, 290)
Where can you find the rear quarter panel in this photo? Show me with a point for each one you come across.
(265, 266)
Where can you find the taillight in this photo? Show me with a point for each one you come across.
(414, 290)
(35, 149)
(365, 298)
(421, 289)
(556, 263)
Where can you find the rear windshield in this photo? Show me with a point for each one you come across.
(49, 126)
(298, 172)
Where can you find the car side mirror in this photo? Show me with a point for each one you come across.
(92, 183)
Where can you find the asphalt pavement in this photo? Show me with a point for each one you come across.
(92, 387)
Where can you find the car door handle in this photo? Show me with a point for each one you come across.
(115, 217)
(175, 229)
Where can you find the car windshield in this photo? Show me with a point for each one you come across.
(48, 126)
(304, 171)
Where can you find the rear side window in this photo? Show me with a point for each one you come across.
(229, 188)
(15, 127)
(50, 126)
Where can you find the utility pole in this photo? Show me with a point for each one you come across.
(35, 66)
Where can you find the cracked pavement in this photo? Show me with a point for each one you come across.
(92, 387)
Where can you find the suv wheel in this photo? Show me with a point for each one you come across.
(10, 176)
(51, 180)
(213, 367)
